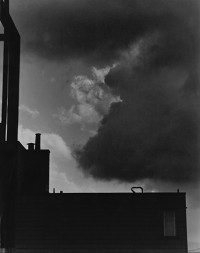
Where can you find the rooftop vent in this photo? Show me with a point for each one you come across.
(136, 187)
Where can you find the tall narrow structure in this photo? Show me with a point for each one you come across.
(22, 171)
(11, 63)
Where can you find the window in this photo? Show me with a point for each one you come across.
(169, 223)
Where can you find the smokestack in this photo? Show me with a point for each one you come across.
(30, 146)
(37, 141)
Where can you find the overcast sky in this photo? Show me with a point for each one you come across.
(113, 86)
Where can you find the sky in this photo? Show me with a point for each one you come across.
(113, 86)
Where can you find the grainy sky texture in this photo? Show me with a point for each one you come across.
(153, 132)
(114, 88)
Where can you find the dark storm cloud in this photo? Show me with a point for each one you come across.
(98, 30)
(153, 133)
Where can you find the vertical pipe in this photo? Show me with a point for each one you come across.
(30, 146)
(4, 15)
(37, 141)
(13, 86)
(5, 88)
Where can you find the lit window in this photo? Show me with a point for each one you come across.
(169, 223)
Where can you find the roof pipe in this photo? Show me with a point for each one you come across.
(37, 141)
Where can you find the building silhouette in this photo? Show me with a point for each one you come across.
(34, 220)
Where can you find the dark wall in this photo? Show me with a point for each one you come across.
(36, 172)
(32, 171)
(100, 221)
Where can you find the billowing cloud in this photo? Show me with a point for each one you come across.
(93, 91)
(98, 30)
(92, 99)
(153, 133)
(67, 117)
(80, 114)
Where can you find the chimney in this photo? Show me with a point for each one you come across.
(37, 141)
(30, 146)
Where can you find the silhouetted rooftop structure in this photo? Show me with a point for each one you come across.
(103, 222)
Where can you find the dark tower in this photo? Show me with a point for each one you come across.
(9, 125)
(21, 169)
(22, 172)
(11, 63)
